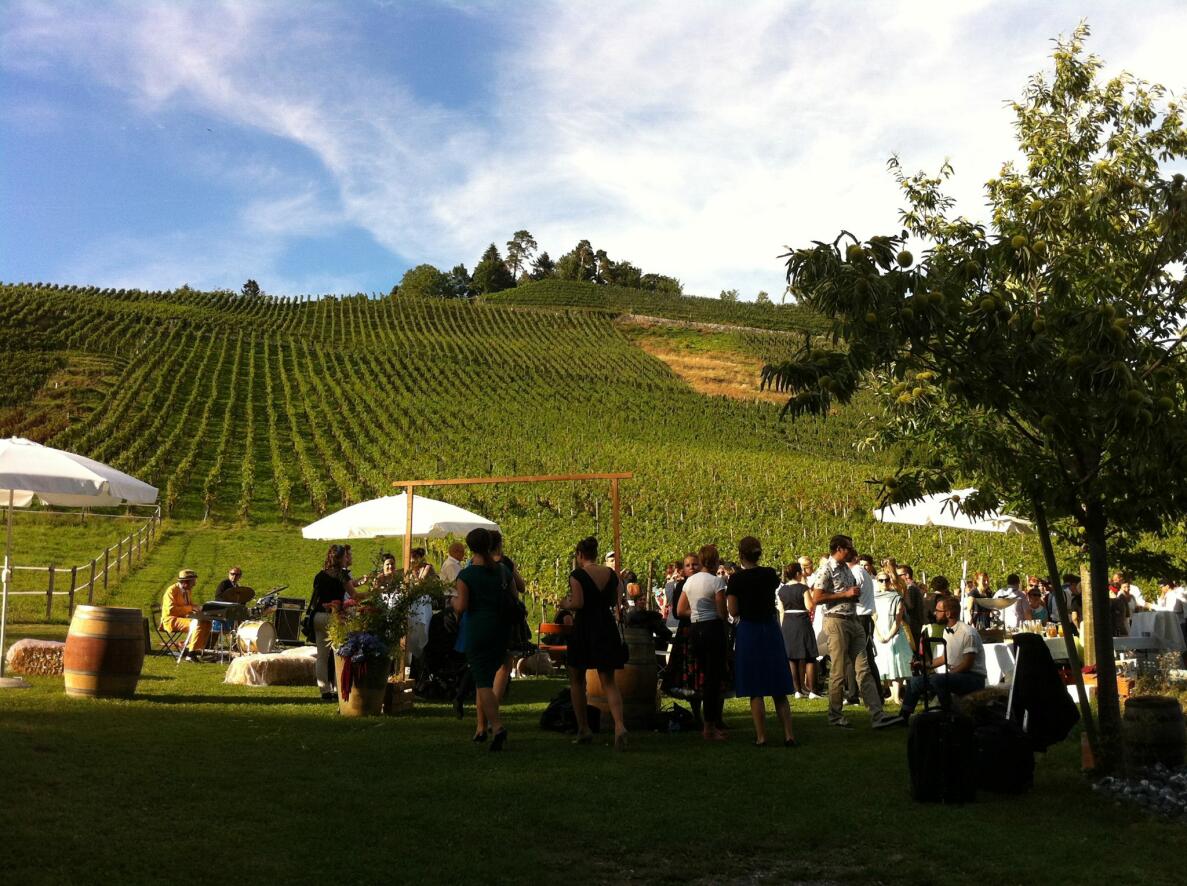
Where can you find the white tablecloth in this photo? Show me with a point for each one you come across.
(999, 659)
(999, 663)
(1161, 625)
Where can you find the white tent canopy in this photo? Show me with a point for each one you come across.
(387, 517)
(943, 509)
(29, 470)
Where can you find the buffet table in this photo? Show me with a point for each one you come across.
(1161, 626)
(999, 658)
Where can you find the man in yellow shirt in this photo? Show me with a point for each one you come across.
(177, 607)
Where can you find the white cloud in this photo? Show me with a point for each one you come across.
(694, 138)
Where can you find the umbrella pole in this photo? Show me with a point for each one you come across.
(7, 573)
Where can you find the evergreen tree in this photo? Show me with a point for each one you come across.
(520, 249)
(491, 274)
(543, 267)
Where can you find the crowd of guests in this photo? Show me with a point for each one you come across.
(842, 627)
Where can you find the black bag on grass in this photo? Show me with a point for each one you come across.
(1005, 762)
(560, 717)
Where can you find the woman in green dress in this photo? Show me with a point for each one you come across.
(481, 592)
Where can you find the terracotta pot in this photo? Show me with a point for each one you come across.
(368, 684)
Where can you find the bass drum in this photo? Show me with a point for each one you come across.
(256, 636)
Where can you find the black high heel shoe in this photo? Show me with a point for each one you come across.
(480, 737)
(499, 740)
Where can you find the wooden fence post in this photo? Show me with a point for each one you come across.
(106, 564)
(119, 556)
(49, 594)
(70, 596)
(91, 583)
(138, 534)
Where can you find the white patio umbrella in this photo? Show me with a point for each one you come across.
(388, 517)
(31, 471)
(943, 509)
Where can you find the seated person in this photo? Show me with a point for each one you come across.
(647, 619)
(229, 591)
(563, 617)
(177, 609)
(963, 663)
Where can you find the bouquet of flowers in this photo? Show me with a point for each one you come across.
(371, 623)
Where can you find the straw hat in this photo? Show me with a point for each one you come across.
(186, 573)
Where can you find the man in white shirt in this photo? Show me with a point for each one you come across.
(963, 662)
(453, 563)
(862, 568)
(1013, 617)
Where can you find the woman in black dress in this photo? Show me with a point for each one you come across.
(760, 668)
(799, 636)
(595, 643)
(329, 588)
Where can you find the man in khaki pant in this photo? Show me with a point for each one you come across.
(837, 592)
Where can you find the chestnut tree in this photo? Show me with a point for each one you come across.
(1038, 354)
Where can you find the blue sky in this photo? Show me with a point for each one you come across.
(327, 147)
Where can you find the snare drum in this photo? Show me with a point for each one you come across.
(256, 636)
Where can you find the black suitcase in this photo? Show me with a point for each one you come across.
(1005, 762)
(941, 754)
(1005, 758)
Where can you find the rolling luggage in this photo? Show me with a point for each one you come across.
(1005, 758)
(1005, 762)
(941, 753)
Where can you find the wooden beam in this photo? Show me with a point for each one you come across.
(616, 536)
(408, 528)
(539, 478)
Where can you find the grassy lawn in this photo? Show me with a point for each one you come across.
(195, 779)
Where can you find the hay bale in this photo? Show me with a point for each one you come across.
(984, 705)
(35, 658)
(293, 667)
(536, 665)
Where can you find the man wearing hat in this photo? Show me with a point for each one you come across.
(177, 609)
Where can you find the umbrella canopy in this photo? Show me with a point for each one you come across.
(29, 470)
(387, 516)
(943, 509)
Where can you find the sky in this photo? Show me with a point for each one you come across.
(328, 147)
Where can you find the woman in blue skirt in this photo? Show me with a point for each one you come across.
(760, 660)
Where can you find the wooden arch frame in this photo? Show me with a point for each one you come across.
(409, 487)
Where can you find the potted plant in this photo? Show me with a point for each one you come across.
(365, 631)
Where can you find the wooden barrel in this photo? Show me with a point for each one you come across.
(368, 689)
(1154, 731)
(638, 682)
(104, 652)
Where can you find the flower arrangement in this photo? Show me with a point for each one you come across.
(371, 623)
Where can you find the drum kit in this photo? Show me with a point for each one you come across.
(243, 629)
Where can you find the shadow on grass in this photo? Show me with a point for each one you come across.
(228, 701)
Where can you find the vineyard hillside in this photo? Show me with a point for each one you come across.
(262, 413)
(642, 302)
